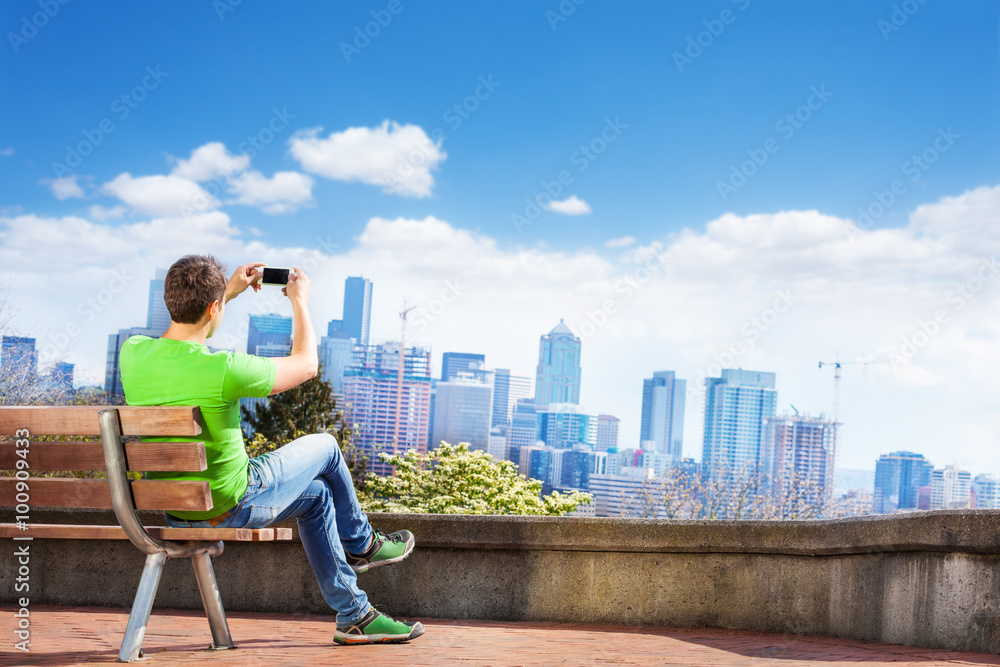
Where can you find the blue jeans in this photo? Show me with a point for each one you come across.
(308, 479)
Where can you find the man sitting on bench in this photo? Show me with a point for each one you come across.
(307, 479)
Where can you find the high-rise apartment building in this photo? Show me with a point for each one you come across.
(950, 488)
(607, 432)
(357, 308)
(987, 488)
(804, 453)
(898, 476)
(662, 425)
(370, 398)
(612, 493)
(508, 388)
(462, 411)
(737, 405)
(557, 378)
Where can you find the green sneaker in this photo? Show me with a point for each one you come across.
(385, 549)
(377, 628)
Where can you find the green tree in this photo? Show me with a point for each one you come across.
(308, 408)
(453, 480)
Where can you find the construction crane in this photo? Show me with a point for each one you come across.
(837, 364)
(399, 375)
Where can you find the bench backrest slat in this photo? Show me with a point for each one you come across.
(141, 456)
(82, 420)
(149, 494)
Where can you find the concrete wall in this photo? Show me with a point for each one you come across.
(925, 579)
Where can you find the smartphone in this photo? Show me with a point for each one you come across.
(271, 275)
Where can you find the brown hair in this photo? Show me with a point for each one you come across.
(191, 285)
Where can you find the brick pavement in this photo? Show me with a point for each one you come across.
(92, 635)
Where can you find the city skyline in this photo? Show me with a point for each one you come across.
(269, 334)
(766, 201)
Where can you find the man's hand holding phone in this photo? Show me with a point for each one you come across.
(243, 277)
(298, 286)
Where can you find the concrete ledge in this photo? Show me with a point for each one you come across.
(925, 579)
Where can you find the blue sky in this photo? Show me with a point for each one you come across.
(556, 88)
(555, 85)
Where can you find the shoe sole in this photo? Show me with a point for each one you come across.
(418, 630)
(358, 569)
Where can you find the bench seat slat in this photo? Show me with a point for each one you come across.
(149, 494)
(141, 456)
(82, 420)
(83, 532)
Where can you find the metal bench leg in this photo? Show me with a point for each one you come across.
(141, 607)
(209, 589)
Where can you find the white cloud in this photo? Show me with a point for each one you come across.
(65, 187)
(101, 214)
(284, 192)
(715, 287)
(208, 161)
(6, 152)
(398, 158)
(570, 206)
(620, 242)
(179, 192)
(160, 195)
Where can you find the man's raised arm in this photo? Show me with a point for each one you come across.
(302, 364)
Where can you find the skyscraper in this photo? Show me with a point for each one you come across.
(557, 379)
(950, 488)
(357, 308)
(898, 476)
(607, 432)
(662, 425)
(269, 335)
(523, 431)
(157, 315)
(370, 391)
(804, 453)
(462, 410)
(562, 425)
(336, 353)
(736, 407)
(18, 357)
(453, 363)
(157, 322)
(507, 389)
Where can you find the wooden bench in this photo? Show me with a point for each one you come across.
(23, 453)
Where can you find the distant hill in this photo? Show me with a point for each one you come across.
(848, 479)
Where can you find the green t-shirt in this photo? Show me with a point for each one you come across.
(162, 371)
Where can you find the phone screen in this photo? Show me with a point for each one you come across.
(273, 276)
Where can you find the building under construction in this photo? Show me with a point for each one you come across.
(372, 387)
(805, 451)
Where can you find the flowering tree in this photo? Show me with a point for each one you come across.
(453, 480)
